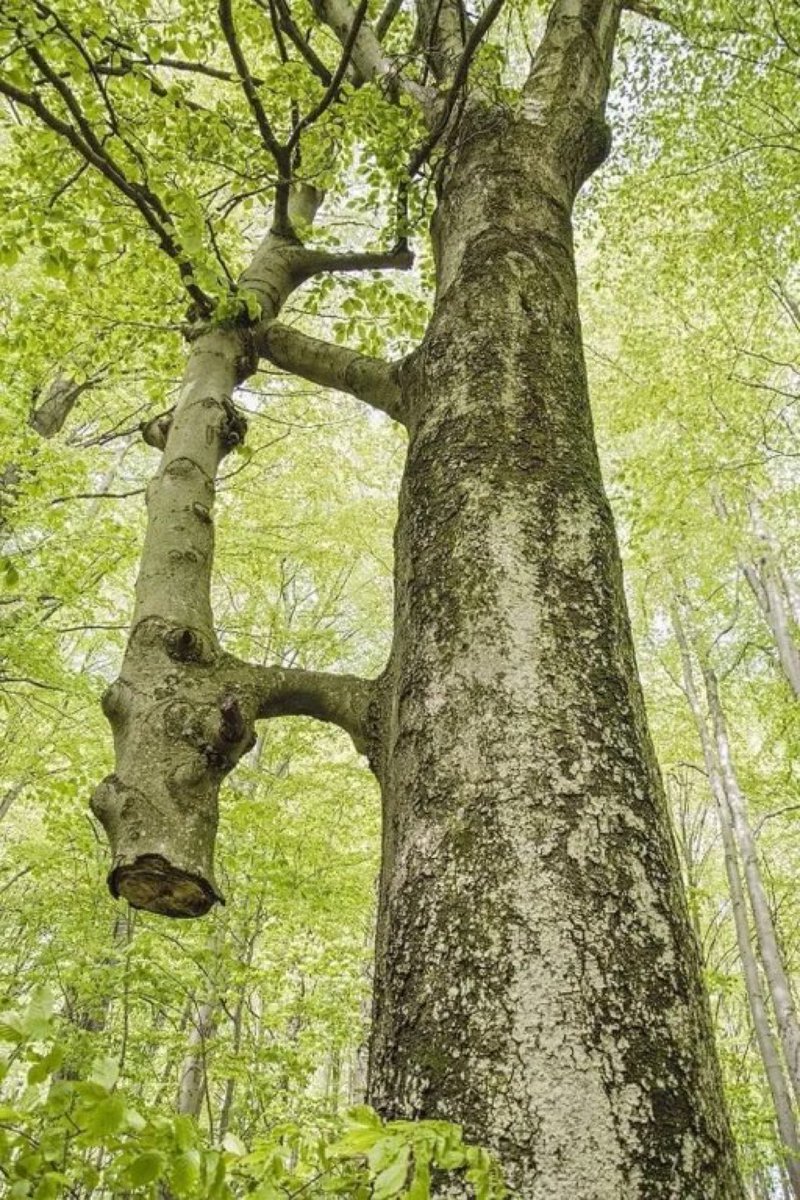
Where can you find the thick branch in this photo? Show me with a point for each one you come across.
(48, 418)
(477, 35)
(323, 262)
(441, 32)
(369, 379)
(342, 700)
(367, 55)
(572, 65)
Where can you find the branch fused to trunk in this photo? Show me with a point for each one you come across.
(369, 379)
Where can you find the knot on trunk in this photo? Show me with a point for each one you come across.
(156, 431)
(247, 362)
(593, 147)
(187, 646)
(233, 429)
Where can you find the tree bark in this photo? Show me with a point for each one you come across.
(182, 711)
(777, 597)
(537, 979)
(774, 592)
(192, 1085)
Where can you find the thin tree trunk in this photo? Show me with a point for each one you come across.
(9, 797)
(771, 956)
(773, 590)
(781, 596)
(773, 1069)
(192, 1085)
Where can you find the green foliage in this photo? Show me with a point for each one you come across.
(690, 294)
(58, 1135)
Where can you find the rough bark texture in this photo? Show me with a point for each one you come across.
(536, 978)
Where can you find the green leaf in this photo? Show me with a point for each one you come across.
(392, 1179)
(185, 1172)
(147, 1168)
(105, 1072)
(46, 1065)
(107, 1116)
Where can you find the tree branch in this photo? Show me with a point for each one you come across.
(279, 153)
(291, 30)
(369, 379)
(332, 92)
(342, 700)
(582, 30)
(386, 18)
(652, 12)
(477, 34)
(148, 205)
(367, 55)
(323, 262)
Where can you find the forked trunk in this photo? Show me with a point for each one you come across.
(536, 979)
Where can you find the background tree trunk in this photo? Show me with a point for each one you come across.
(771, 956)
(770, 1058)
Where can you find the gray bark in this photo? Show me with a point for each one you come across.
(192, 1085)
(777, 596)
(774, 591)
(49, 417)
(182, 711)
(536, 977)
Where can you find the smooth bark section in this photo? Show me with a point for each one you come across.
(770, 1058)
(172, 742)
(49, 417)
(369, 379)
(182, 711)
(342, 700)
(192, 1084)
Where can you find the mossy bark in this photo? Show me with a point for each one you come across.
(537, 979)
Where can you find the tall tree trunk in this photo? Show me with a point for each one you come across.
(771, 956)
(537, 979)
(773, 1068)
